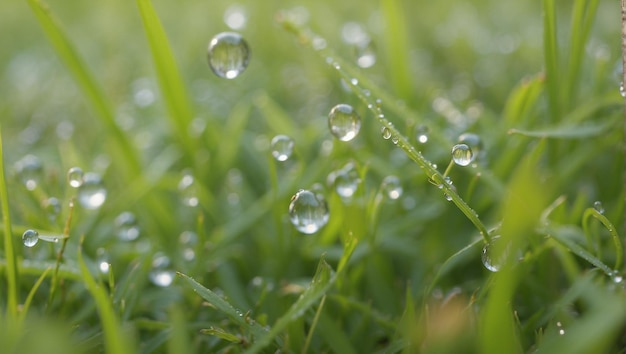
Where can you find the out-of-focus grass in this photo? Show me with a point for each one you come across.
(123, 89)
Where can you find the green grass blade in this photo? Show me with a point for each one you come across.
(619, 250)
(123, 149)
(170, 83)
(397, 47)
(551, 60)
(9, 248)
(322, 281)
(568, 131)
(223, 306)
(31, 294)
(115, 339)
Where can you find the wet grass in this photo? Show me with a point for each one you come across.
(187, 153)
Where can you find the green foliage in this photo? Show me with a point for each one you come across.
(123, 89)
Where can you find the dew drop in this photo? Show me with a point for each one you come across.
(391, 187)
(475, 144)
(188, 239)
(30, 170)
(622, 91)
(126, 226)
(354, 81)
(318, 43)
(344, 122)
(346, 180)
(92, 194)
(616, 277)
(494, 255)
(462, 155)
(308, 212)
(422, 134)
(228, 55)
(52, 206)
(30, 238)
(365, 54)
(386, 133)
(102, 260)
(187, 189)
(395, 139)
(597, 205)
(379, 103)
(161, 274)
(282, 147)
(235, 17)
(75, 177)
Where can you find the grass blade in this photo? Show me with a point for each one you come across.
(122, 148)
(397, 47)
(170, 82)
(9, 248)
(31, 294)
(322, 281)
(114, 338)
(551, 60)
(567, 131)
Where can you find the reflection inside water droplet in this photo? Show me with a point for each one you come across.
(344, 122)
(462, 155)
(308, 212)
(30, 238)
(228, 55)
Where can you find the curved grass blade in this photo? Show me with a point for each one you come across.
(122, 148)
(31, 294)
(114, 338)
(591, 212)
(170, 82)
(450, 263)
(322, 281)
(567, 131)
(9, 248)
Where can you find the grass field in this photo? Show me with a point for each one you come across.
(181, 228)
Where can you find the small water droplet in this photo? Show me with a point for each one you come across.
(282, 147)
(462, 154)
(161, 274)
(492, 261)
(75, 177)
(386, 133)
(344, 122)
(597, 205)
(346, 180)
(617, 277)
(30, 238)
(92, 194)
(422, 134)
(391, 187)
(561, 330)
(622, 91)
(102, 260)
(188, 239)
(126, 226)
(395, 139)
(53, 208)
(354, 81)
(318, 43)
(228, 55)
(308, 212)
(187, 188)
(30, 170)
(379, 103)
(365, 54)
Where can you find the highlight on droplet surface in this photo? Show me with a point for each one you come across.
(344, 122)
(391, 187)
(30, 171)
(75, 177)
(282, 147)
(228, 55)
(30, 238)
(308, 211)
(462, 155)
(92, 194)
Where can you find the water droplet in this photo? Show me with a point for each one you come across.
(597, 205)
(379, 103)
(495, 254)
(228, 55)
(346, 180)
(386, 133)
(75, 177)
(392, 187)
(29, 169)
(308, 212)
(53, 208)
(617, 277)
(422, 134)
(282, 147)
(30, 238)
(188, 239)
(161, 274)
(394, 139)
(235, 17)
(365, 54)
(622, 91)
(353, 33)
(318, 43)
(344, 122)
(354, 81)
(126, 226)
(187, 188)
(475, 144)
(92, 194)
(462, 154)
(102, 260)
(561, 330)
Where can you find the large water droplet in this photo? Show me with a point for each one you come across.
(75, 177)
(29, 169)
(92, 194)
(462, 155)
(308, 212)
(161, 274)
(282, 147)
(495, 254)
(344, 122)
(30, 238)
(346, 180)
(597, 205)
(126, 226)
(228, 55)
(386, 133)
(392, 187)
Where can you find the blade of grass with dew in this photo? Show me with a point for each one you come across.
(115, 340)
(226, 308)
(551, 60)
(121, 147)
(31, 294)
(402, 141)
(320, 284)
(619, 250)
(582, 19)
(397, 47)
(170, 82)
(9, 249)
